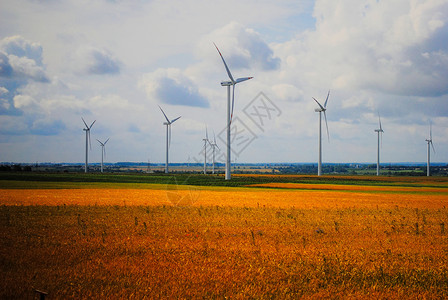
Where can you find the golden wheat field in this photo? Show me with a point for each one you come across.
(178, 242)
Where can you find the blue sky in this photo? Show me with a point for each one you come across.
(116, 61)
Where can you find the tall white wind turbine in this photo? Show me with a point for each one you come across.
(321, 109)
(429, 141)
(103, 152)
(87, 130)
(168, 135)
(214, 145)
(206, 140)
(380, 132)
(228, 84)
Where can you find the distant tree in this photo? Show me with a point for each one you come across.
(5, 168)
(17, 168)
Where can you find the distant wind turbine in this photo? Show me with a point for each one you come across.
(321, 109)
(232, 83)
(206, 140)
(103, 152)
(87, 130)
(168, 135)
(429, 141)
(214, 145)
(380, 132)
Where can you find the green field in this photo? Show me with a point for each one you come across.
(82, 180)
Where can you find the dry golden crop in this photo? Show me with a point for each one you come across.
(349, 196)
(239, 243)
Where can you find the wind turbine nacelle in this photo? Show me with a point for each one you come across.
(318, 110)
(226, 83)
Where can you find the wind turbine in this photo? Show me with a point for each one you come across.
(214, 145)
(168, 135)
(206, 140)
(87, 130)
(321, 109)
(429, 141)
(228, 84)
(380, 132)
(103, 152)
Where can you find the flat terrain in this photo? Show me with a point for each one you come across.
(196, 236)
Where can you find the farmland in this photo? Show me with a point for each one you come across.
(76, 236)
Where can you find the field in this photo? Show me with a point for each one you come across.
(76, 236)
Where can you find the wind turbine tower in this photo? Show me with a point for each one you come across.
(429, 141)
(168, 135)
(229, 84)
(103, 152)
(380, 132)
(321, 109)
(87, 130)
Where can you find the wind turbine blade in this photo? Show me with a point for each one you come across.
(433, 149)
(326, 124)
(100, 142)
(104, 150)
(326, 100)
(381, 133)
(84, 122)
(233, 102)
(174, 120)
(90, 143)
(206, 133)
(379, 121)
(169, 136)
(225, 65)
(214, 140)
(92, 124)
(430, 131)
(106, 141)
(164, 114)
(321, 107)
(242, 79)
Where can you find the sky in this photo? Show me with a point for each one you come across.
(117, 61)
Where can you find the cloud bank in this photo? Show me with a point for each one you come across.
(94, 61)
(171, 86)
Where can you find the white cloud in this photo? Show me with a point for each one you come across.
(5, 66)
(109, 101)
(21, 59)
(3, 91)
(171, 86)
(287, 92)
(25, 68)
(47, 127)
(376, 45)
(22, 101)
(242, 47)
(20, 47)
(91, 60)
